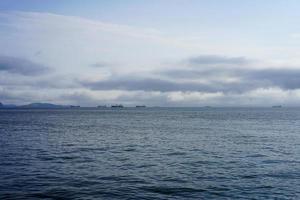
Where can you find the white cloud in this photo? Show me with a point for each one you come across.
(193, 96)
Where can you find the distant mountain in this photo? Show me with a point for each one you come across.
(7, 105)
(42, 105)
(36, 105)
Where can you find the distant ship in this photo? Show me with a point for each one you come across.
(141, 106)
(277, 106)
(117, 106)
(71, 106)
(104, 106)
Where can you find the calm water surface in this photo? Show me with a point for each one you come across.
(150, 153)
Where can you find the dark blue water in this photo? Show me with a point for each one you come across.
(152, 153)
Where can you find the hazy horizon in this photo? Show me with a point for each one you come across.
(155, 53)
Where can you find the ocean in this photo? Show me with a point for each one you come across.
(150, 153)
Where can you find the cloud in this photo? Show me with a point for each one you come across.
(231, 79)
(161, 85)
(216, 59)
(21, 66)
(100, 64)
(70, 44)
(145, 84)
(194, 96)
(151, 68)
(235, 77)
(283, 78)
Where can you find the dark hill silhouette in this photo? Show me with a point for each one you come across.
(42, 105)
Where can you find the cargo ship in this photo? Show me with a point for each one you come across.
(117, 106)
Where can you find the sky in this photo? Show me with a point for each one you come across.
(154, 53)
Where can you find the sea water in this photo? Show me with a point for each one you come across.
(150, 153)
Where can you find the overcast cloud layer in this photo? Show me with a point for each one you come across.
(73, 60)
(21, 66)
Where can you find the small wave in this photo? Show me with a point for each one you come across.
(274, 161)
(264, 187)
(54, 194)
(146, 165)
(287, 175)
(257, 155)
(67, 157)
(125, 179)
(250, 176)
(91, 149)
(219, 189)
(199, 163)
(130, 149)
(172, 190)
(176, 154)
(46, 158)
